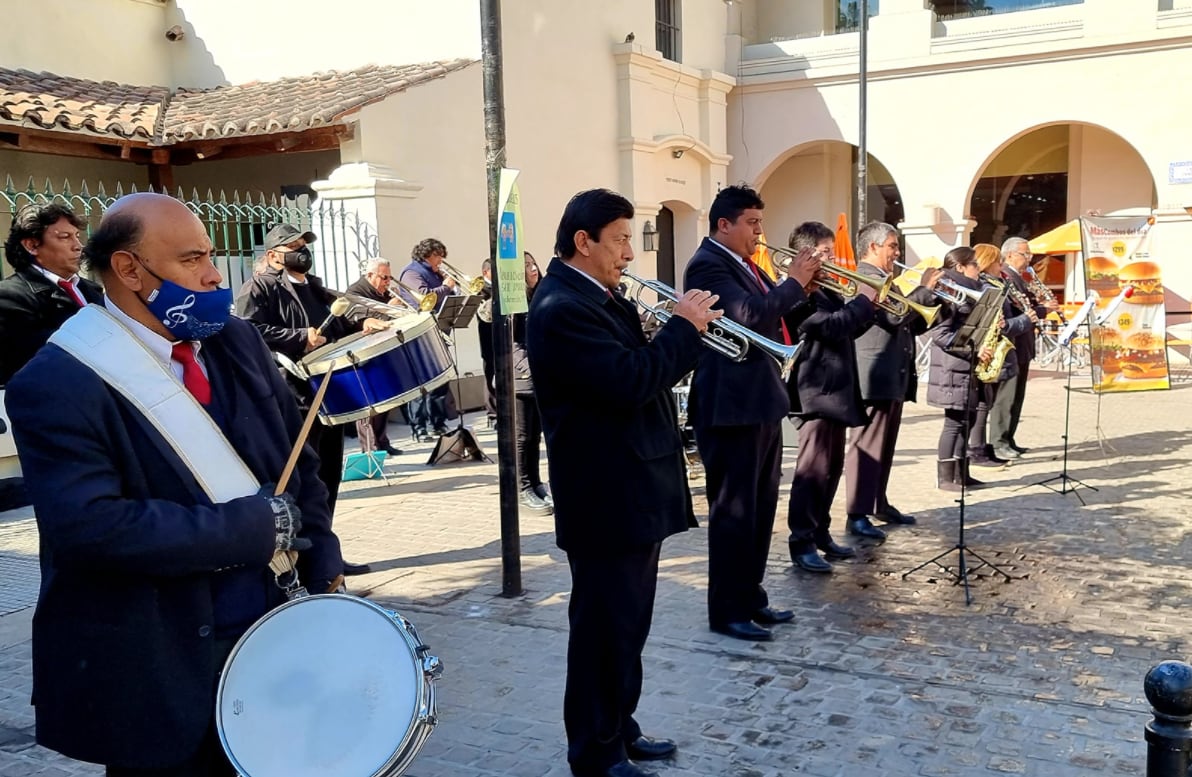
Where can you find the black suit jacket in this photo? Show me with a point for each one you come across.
(31, 309)
(886, 352)
(615, 454)
(1024, 342)
(124, 663)
(728, 393)
(824, 384)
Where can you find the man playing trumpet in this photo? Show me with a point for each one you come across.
(826, 400)
(736, 408)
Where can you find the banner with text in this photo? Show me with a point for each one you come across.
(1127, 335)
(510, 271)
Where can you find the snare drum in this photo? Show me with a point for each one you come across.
(327, 685)
(378, 371)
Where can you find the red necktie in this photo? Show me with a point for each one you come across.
(192, 374)
(786, 336)
(72, 292)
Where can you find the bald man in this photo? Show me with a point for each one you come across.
(146, 582)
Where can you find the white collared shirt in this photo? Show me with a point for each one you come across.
(602, 287)
(55, 279)
(741, 261)
(157, 345)
(296, 281)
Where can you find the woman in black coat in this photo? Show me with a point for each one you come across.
(534, 495)
(951, 382)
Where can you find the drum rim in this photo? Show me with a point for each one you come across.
(314, 365)
(389, 404)
(419, 729)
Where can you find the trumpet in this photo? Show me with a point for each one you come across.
(467, 282)
(846, 282)
(724, 336)
(426, 302)
(946, 289)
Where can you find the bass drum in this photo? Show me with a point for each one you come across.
(327, 685)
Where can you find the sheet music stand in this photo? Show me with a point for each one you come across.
(459, 443)
(969, 337)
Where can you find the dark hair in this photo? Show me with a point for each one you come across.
(960, 256)
(808, 235)
(590, 211)
(117, 232)
(426, 247)
(730, 203)
(31, 223)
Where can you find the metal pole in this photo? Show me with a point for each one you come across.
(1168, 688)
(862, 143)
(494, 133)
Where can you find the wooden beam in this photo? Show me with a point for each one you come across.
(161, 178)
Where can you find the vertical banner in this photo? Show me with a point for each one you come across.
(1127, 335)
(510, 266)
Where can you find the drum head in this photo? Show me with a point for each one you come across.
(327, 685)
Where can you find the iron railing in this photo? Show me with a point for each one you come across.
(235, 224)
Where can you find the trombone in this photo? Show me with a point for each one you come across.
(724, 336)
(472, 285)
(841, 280)
(426, 302)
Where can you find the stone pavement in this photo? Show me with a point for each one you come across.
(879, 675)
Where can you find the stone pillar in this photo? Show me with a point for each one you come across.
(360, 213)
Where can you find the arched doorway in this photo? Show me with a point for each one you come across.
(1051, 174)
(817, 182)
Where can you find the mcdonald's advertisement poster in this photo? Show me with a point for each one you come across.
(1127, 335)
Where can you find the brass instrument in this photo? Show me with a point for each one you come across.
(988, 371)
(426, 302)
(847, 283)
(381, 308)
(996, 283)
(725, 336)
(946, 289)
(468, 283)
(900, 306)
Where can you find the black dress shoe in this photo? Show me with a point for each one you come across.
(391, 450)
(861, 527)
(441, 430)
(836, 552)
(812, 562)
(893, 515)
(533, 503)
(768, 616)
(745, 630)
(356, 569)
(621, 769)
(649, 749)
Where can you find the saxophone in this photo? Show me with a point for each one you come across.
(988, 371)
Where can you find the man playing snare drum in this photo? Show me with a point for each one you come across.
(147, 581)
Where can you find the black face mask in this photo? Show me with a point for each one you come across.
(298, 260)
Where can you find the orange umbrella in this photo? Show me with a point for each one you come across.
(844, 244)
(761, 257)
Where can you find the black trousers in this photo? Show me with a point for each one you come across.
(952, 437)
(870, 458)
(529, 437)
(611, 609)
(742, 465)
(813, 487)
(328, 442)
(209, 760)
(987, 394)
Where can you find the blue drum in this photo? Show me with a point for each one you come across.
(378, 371)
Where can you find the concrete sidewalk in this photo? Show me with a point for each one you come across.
(879, 675)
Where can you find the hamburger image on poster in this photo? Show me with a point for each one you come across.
(1143, 356)
(1144, 303)
(1102, 277)
(1106, 345)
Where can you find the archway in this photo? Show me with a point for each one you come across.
(817, 181)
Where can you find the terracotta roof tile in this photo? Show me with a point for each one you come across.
(50, 101)
(151, 114)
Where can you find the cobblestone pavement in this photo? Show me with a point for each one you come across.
(879, 675)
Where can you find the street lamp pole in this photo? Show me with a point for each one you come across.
(862, 112)
(494, 134)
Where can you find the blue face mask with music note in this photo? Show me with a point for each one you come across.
(189, 315)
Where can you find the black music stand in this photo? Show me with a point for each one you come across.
(1067, 483)
(968, 339)
(459, 443)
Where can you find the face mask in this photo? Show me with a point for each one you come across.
(189, 315)
(298, 260)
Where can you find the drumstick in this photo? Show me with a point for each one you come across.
(284, 560)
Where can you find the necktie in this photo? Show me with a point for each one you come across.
(786, 336)
(72, 292)
(192, 374)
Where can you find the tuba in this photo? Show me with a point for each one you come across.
(725, 336)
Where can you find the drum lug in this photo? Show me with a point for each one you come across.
(432, 667)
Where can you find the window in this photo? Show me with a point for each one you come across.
(952, 9)
(667, 37)
(848, 14)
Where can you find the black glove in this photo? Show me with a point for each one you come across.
(287, 521)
